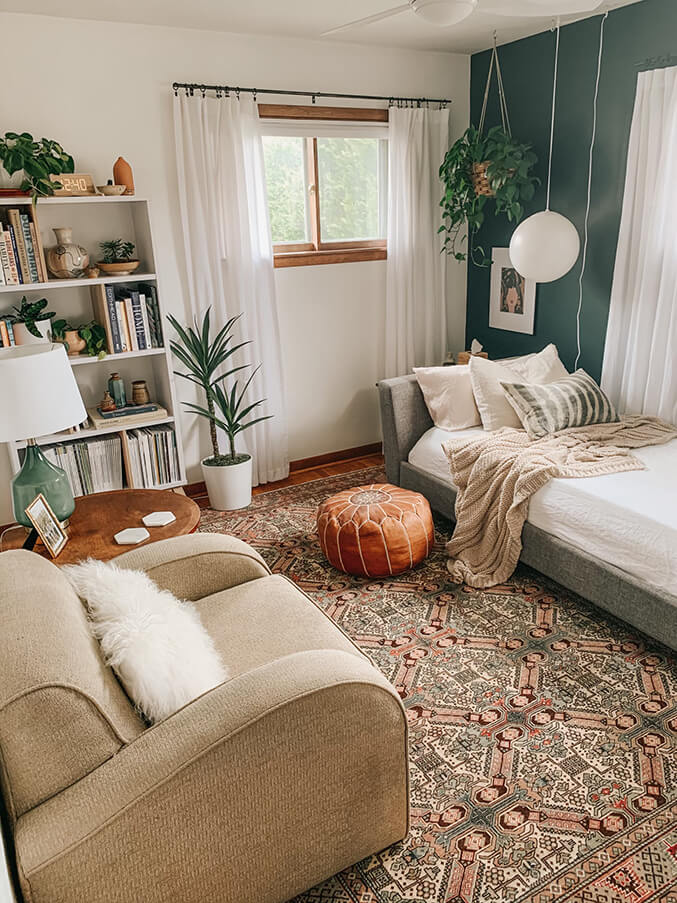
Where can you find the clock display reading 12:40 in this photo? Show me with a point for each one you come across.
(73, 184)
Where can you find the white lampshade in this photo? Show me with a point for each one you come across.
(39, 392)
(544, 246)
(443, 12)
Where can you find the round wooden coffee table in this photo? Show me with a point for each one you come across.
(98, 517)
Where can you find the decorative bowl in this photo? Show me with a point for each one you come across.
(111, 190)
(122, 268)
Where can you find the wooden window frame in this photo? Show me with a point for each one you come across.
(317, 252)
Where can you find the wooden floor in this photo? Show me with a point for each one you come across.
(305, 476)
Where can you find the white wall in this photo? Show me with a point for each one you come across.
(104, 90)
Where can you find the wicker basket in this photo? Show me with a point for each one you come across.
(479, 179)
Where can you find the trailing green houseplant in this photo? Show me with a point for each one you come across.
(92, 334)
(228, 476)
(36, 160)
(29, 314)
(509, 166)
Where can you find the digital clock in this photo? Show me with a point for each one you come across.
(73, 184)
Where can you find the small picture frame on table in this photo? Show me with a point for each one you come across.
(512, 302)
(47, 525)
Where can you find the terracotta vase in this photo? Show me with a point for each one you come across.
(66, 260)
(74, 342)
(122, 175)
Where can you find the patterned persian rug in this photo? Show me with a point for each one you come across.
(542, 731)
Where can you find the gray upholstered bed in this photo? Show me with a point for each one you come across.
(405, 418)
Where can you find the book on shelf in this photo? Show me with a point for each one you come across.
(92, 465)
(129, 315)
(153, 456)
(6, 333)
(99, 420)
(22, 258)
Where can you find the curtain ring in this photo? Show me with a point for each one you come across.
(176, 89)
(313, 98)
(203, 91)
(219, 92)
(254, 95)
(227, 94)
(192, 91)
(237, 93)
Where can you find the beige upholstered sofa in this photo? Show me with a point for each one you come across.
(291, 770)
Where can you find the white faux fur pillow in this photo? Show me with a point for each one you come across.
(156, 644)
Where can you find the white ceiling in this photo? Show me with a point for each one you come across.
(301, 19)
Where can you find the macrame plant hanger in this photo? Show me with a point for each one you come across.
(479, 170)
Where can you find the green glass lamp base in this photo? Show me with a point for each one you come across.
(38, 475)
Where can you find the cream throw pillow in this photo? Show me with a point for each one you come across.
(156, 644)
(448, 396)
(486, 377)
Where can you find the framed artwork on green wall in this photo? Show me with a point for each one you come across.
(512, 300)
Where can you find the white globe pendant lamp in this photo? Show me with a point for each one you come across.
(443, 12)
(545, 246)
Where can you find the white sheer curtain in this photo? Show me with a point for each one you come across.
(640, 360)
(229, 253)
(416, 307)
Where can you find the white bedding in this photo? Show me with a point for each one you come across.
(626, 519)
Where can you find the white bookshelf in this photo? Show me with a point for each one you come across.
(96, 219)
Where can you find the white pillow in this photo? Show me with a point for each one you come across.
(156, 644)
(486, 377)
(448, 396)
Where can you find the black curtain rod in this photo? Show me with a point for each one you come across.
(228, 89)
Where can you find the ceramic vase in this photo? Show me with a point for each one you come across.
(122, 175)
(74, 342)
(116, 387)
(66, 260)
(140, 392)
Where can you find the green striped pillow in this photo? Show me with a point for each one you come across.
(574, 400)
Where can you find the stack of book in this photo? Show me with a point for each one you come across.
(92, 465)
(153, 456)
(22, 259)
(6, 332)
(130, 316)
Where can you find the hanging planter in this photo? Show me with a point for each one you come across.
(481, 168)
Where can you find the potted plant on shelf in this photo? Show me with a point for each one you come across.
(228, 477)
(117, 257)
(28, 164)
(31, 322)
(480, 170)
(89, 338)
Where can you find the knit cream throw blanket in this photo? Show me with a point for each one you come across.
(497, 474)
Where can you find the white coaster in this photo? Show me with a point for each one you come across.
(158, 518)
(131, 536)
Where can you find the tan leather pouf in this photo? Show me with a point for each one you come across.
(375, 531)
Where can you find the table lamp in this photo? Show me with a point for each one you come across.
(39, 396)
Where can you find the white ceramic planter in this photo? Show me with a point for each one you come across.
(230, 486)
(23, 337)
(13, 181)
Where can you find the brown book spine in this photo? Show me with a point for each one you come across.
(42, 276)
(4, 334)
(100, 311)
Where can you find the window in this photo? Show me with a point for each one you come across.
(327, 187)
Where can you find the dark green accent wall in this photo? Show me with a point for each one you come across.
(647, 29)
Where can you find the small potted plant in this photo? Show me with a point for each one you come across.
(117, 257)
(228, 477)
(28, 164)
(31, 322)
(480, 170)
(89, 338)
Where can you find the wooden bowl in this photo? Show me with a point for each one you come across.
(123, 268)
(111, 190)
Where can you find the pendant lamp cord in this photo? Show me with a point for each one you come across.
(552, 118)
(589, 195)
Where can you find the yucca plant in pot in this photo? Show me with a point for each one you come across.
(228, 477)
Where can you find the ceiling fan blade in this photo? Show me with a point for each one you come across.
(538, 7)
(377, 17)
